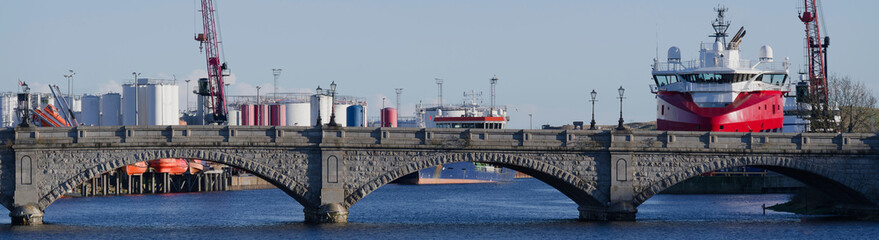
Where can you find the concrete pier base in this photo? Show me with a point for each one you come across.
(329, 213)
(26, 215)
(616, 212)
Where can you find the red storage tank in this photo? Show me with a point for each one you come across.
(278, 115)
(247, 115)
(262, 115)
(389, 117)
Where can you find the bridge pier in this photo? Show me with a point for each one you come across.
(620, 211)
(328, 213)
(26, 215)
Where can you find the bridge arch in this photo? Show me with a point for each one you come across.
(839, 187)
(582, 192)
(122, 158)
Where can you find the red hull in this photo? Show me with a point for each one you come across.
(750, 112)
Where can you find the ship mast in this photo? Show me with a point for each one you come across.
(720, 25)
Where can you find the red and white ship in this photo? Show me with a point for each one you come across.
(720, 91)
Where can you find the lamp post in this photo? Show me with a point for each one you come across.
(531, 121)
(277, 73)
(620, 126)
(136, 106)
(70, 76)
(592, 123)
(332, 103)
(318, 95)
(257, 95)
(187, 95)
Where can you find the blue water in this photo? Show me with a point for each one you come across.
(524, 208)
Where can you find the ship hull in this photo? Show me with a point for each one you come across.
(459, 173)
(759, 111)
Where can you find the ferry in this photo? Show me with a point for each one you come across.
(720, 91)
(468, 115)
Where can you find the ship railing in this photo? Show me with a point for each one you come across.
(676, 65)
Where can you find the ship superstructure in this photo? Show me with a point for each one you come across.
(720, 91)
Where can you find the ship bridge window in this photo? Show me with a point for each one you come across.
(777, 79)
(662, 80)
(709, 78)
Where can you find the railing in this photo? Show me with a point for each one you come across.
(494, 139)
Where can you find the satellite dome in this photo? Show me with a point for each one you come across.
(766, 53)
(674, 54)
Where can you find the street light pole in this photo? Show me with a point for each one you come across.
(187, 95)
(257, 95)
(620, 126)
(332, 105)
(592, 123)
(69, 76)
(531, 121)
(136, 96)
(318, 96)
(277, 73)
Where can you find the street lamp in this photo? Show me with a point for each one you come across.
(69, 76)
(620, 126)
(318, 95)
(257, 95)
(187, 94)
(136, 106)
(592, 124)
(332, 103)
(277, 73)
(531, 121)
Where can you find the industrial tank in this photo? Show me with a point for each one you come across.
(298, 114)
(91, 111)
(389, 117)
(234, 117)
(111, 109)
(262, 115)
(8, 103)
(74, 103)
(278, 115)
(320, 104)
(247, 115)
(157, 103)
(341, 111)
(355, 116)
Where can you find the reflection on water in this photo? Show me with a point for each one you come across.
(525, 208)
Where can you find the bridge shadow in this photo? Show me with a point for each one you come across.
(838, 189)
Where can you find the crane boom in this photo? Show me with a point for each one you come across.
(817, 49)
(208, 40)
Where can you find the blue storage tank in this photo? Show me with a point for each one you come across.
(355, 116)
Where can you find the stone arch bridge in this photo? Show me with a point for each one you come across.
(327, 170)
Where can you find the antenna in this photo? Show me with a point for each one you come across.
(439, 85)
(399, 93)
(720, 25)
(493, 85)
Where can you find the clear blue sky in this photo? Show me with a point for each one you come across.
(547, 54)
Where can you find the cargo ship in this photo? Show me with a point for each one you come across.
(720, 91)
(468, 115)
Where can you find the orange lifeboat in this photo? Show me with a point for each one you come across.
(136, 168)
(175, 166)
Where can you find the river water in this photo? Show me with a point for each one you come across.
(525, 208)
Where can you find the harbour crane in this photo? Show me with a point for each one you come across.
(215, 88)
(816, 49)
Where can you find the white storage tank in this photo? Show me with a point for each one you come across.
(342, 114)
(298, 114)
(111, 109)
(157, 103)
(320, 104)
(8, 103)
(75, 103)
(91, 111)
(234, 117)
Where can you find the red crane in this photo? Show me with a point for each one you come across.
(208, 40)
(817, 51)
